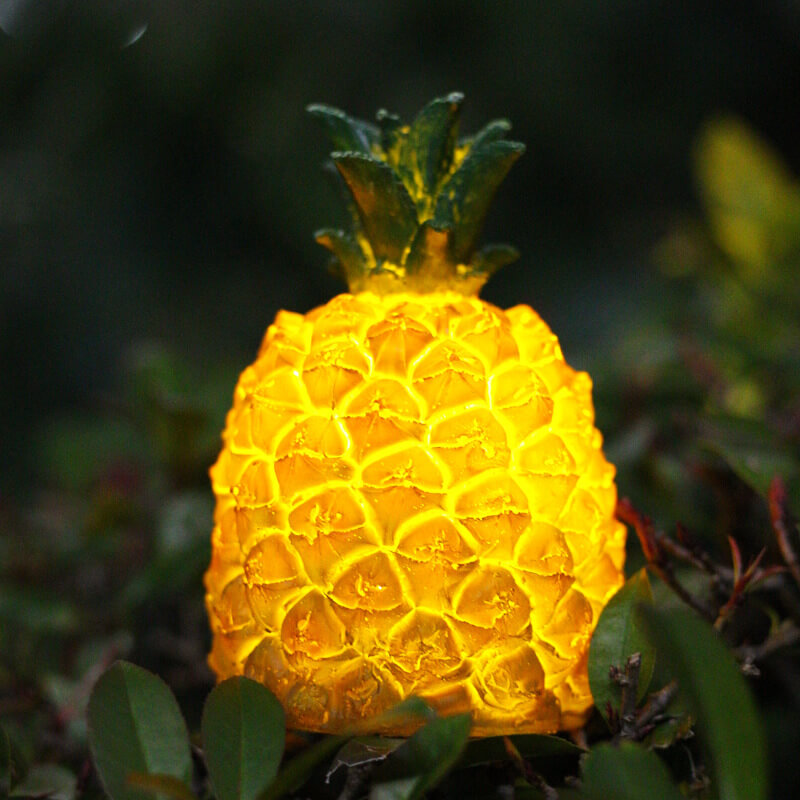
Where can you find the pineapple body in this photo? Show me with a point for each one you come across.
(412, 499)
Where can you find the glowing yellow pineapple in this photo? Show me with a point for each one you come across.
(412, 497)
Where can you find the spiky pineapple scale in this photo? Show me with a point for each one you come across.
(412, 499)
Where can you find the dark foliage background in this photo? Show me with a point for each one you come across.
(159, 185)
(168, 190)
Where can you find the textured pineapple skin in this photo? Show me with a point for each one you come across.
(412, 499)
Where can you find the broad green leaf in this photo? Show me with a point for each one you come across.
(428, 149)
(419, 764)
(161, 785)
(531, 746)
(727, 720)
(299, 769)
(345, 133)
(627, 772)
(46, 780)
(387, 212)
(244, 731)
(135, 725)
(618, 635)
(466, 196)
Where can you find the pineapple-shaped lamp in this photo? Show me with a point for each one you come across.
(412, 498)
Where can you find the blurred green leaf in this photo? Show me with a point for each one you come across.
(626, 772)
(666, 733)
(752, 202)
(184, 520)
(72, 452)
(160, 785)
(749, 448)
(166, 576)
(135, 725)
(618, 635)
(727, 720)
(530, 746)
(419, 764)
(37, 610)
(244, 731)
(299, 769)
(46, 780)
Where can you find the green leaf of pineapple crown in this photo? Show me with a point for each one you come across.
(417, 197)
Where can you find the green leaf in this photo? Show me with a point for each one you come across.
(165, 576)
(161, 785)
(752, 201)
(299, 769)
(364, 750)
(387, 212)
(345, 249)
(618, 635)
(429, 251)
(244, 732)
(466, 196)
(46, 780)
(491, 132)
(431, 140)
(37, 610)
(135, 725)
(749, 448)
(531, 746)
(390, 126)
(13, 764)
(666, 733)
(727, 720)
(493, 257)
(423, 760)
(627, 772)
(345, 133)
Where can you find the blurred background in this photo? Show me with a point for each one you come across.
(160, 182)
(167, 190)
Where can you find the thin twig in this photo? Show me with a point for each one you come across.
(666, 575)
(656, 704)
(630, 690)
(786, 634)
(779, 514)
(687, 550)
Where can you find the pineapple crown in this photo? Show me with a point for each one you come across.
(417, 196)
